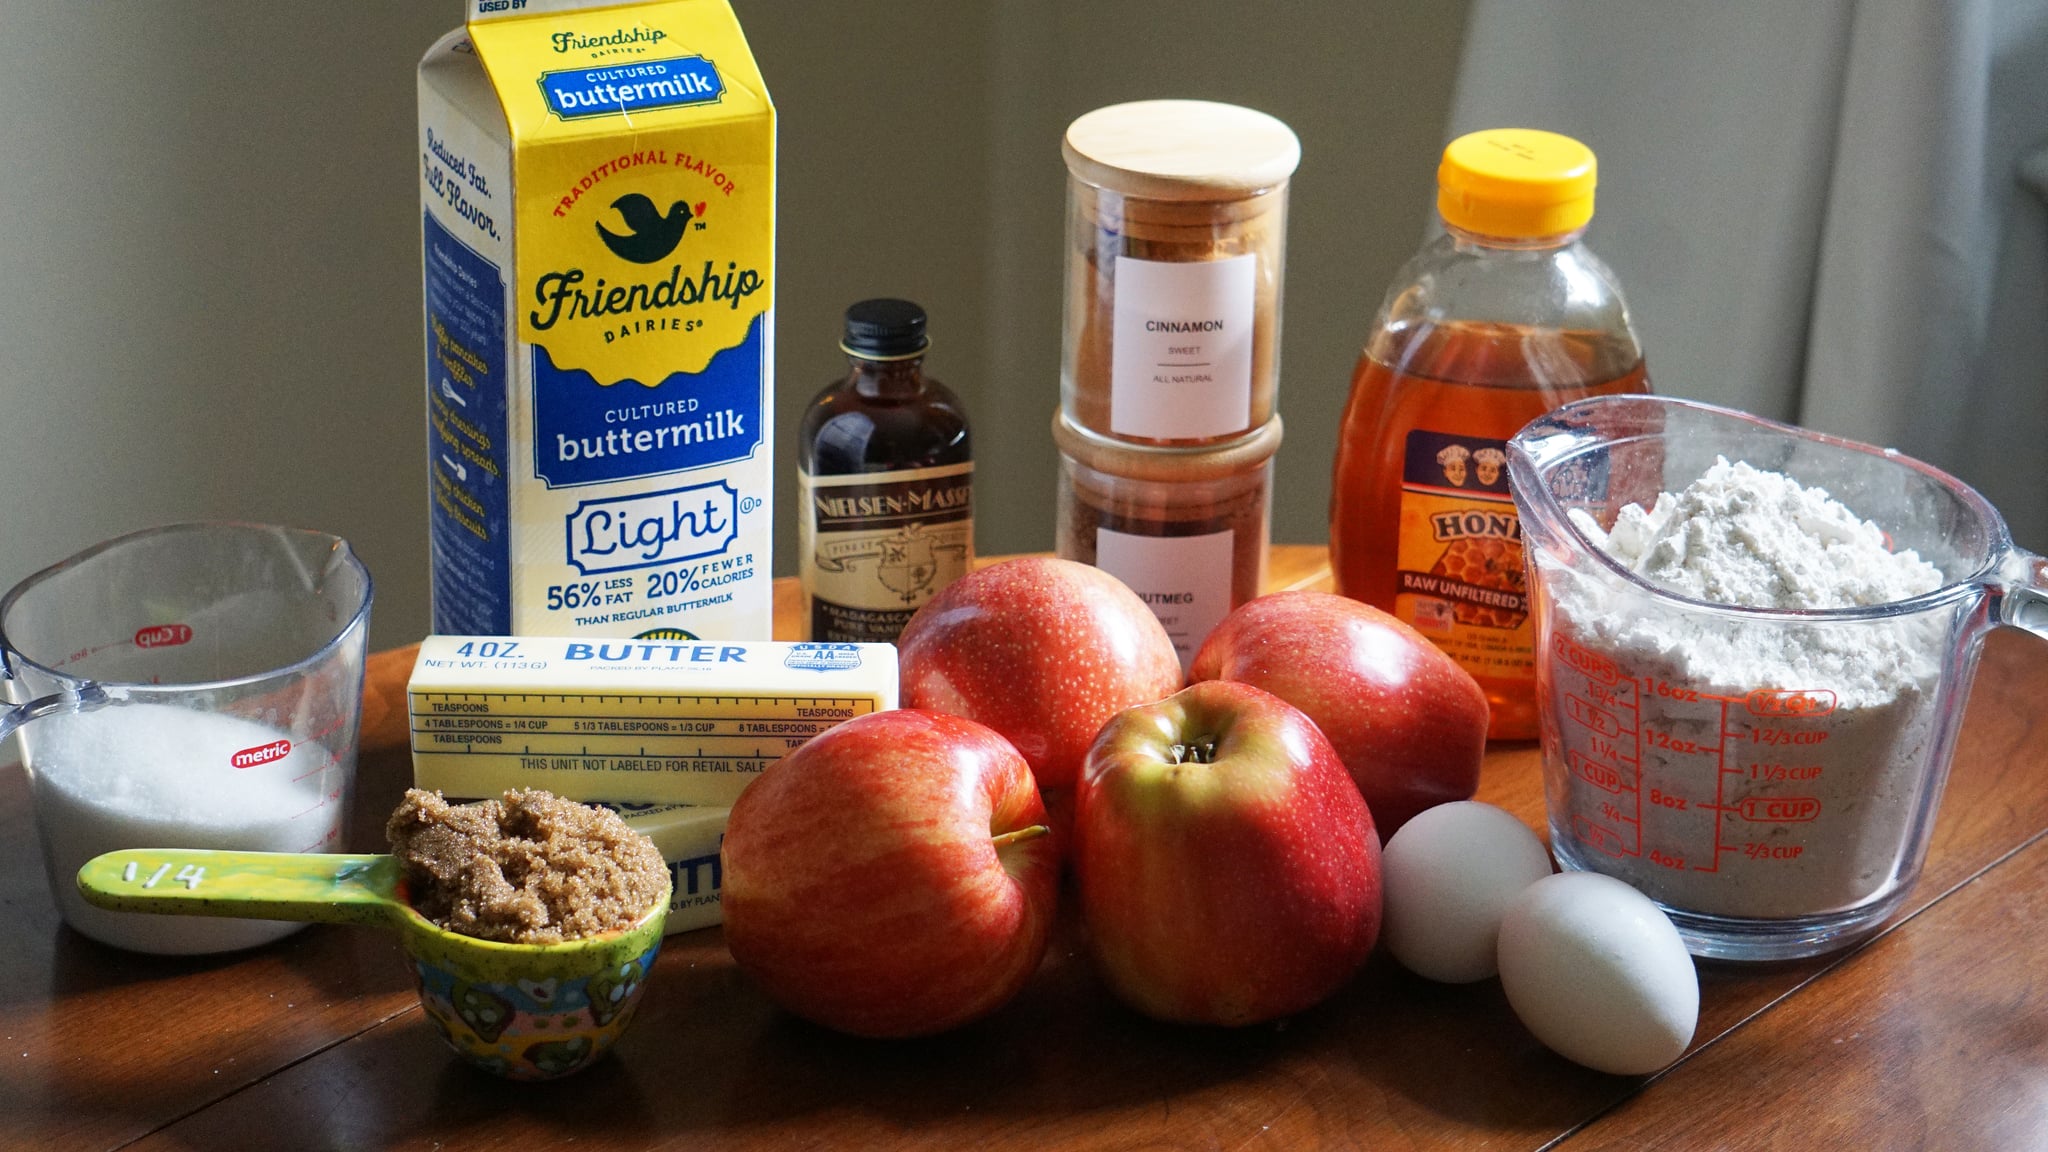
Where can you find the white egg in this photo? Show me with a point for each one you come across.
(1598, 973)
(1447, 877)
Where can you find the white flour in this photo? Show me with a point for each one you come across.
(160, 776)
(1780, 763)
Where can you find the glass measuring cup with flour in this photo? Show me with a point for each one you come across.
(1754, 647)
(193, 686)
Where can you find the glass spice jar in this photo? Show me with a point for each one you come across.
(1176, 245)
(1185, 527)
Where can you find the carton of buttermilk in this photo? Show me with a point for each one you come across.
(598, 197)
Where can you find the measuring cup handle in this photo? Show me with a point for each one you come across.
(86, 698)
(329, 888)
(2024, 599)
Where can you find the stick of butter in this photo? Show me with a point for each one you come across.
(628, 721)
(689, 839)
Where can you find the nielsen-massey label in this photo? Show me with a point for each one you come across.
(1459, 556)
(874, 547)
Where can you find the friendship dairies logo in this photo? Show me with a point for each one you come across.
(650, 234)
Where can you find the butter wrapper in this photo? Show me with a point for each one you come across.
(689, 838)
(628, 721)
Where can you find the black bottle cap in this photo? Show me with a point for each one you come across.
(884, 330)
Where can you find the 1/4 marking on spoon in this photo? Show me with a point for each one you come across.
(190, 875)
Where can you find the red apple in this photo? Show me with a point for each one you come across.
(1228, 868)
(1408, 722)
(891, 877)
(1043, 651)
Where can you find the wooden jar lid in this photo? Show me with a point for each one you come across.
(1181, 150)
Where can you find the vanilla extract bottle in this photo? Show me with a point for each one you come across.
(885, 476)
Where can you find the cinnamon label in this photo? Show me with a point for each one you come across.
(1181, 359)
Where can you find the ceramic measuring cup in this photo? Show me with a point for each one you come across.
(523, 1011)
(1769, 777)
(193, 686)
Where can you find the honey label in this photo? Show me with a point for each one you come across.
(1459, 559)
(875, 546)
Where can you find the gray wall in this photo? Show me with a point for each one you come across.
(208, 229)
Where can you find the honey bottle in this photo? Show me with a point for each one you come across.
(1504, 317)
(885, 475)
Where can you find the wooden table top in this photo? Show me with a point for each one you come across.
(1932, 1035)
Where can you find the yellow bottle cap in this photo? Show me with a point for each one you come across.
(1516, 182)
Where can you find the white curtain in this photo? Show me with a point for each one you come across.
(1818, 210)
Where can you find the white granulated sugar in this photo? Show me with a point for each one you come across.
(161, 776)
(1739, 766)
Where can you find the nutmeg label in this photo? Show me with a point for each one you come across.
(1185, 580)
(873, 547)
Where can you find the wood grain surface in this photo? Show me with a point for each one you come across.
(1934, 1033)
(1933, 1037)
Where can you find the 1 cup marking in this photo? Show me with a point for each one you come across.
(163, 635)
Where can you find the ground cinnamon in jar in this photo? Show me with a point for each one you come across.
(1176, 241)
(1185, 528)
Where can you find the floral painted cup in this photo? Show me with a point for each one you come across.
(522, 1011)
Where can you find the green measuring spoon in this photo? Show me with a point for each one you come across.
(526, 1011)
(328, 889)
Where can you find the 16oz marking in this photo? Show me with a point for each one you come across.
(1670, 691)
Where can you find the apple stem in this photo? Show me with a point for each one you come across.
(1019, 836)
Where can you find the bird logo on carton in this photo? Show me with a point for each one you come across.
(650, 235)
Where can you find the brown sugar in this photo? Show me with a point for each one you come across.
(531, 868)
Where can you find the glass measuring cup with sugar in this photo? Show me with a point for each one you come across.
(1768, 776)
(192, 686)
